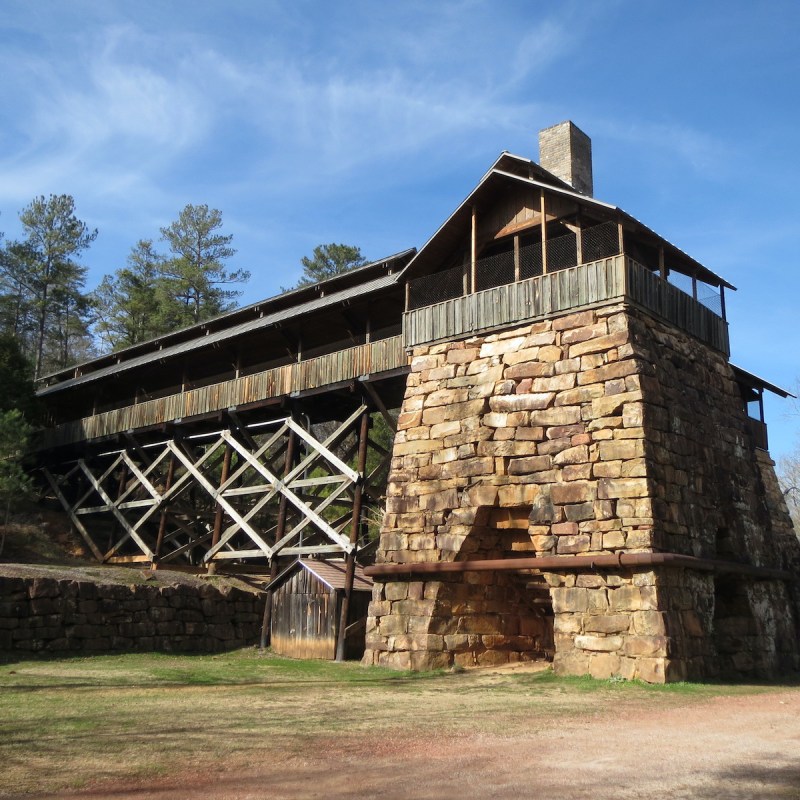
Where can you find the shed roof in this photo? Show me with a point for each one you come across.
(330, 572)
(755, 382)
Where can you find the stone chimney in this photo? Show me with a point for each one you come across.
(566, 151)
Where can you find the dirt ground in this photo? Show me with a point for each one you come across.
(741, 746)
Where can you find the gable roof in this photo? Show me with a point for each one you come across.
(330, 572)
(510, 168)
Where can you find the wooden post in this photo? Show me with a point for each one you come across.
(408, 295)
(350, 568)
(694, 286)
(517, 268)
(543, 212)
(578, 237)
(288, 465)
(219, 513)
(722, 301)
(620, 237)
(123, 482)
(162, 523)
(473, 251)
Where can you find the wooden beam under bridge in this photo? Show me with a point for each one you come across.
(219, 496)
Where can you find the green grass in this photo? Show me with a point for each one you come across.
(71, 721)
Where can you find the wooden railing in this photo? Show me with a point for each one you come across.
(646, 289)
(332, 368)
(617, 278)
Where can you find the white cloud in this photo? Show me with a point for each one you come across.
(707, 154)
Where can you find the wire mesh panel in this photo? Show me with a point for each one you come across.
(599, 241)
(562, 252)
(530, 261)
(710, 298)
(706, 295)
(436, 288)
(494, 271)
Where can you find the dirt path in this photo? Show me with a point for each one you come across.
(726, 747)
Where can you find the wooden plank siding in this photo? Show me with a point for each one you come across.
(614, 279)
(304, 618)
(332, 368)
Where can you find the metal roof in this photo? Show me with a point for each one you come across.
(331, 573)
(259, 323)
(743, 376)
(291, 301)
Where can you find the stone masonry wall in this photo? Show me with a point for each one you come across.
(47, 615)
(613, 432)
(716, 496)
(547, 419)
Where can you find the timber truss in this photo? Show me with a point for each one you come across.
(243, 493)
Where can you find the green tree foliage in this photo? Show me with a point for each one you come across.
(128, 303)
(16, 386)
(328, 260)
(17, 408)
(157, 293)
(43, 305)
(15, 483)
(195, 275)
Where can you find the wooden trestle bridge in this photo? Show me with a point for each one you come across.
(266, 434)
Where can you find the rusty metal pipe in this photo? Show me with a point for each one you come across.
(558, 563)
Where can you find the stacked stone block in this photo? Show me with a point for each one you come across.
(612, 432)
(46, 615)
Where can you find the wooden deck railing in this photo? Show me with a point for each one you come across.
(617, 278)
(329, 369)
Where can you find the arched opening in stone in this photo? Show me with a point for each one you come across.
(495, 617)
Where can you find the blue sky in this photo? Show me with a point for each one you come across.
(367, 123)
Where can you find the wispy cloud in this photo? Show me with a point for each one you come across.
(705, 153)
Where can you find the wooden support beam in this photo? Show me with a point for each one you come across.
(322, 450)
(162, 523)
(288, 463)
(379, 404)
(192, 469)
(124, 524)
(543, 212)
(319, 523)
(355, 524)
(219, 512)
(304, 464)
(473, 251)
(85, 535)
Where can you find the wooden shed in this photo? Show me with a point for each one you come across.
(306, 606)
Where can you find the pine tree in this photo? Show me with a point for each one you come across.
(196, 274)
(128, 303)
(328, 260)
(43, 302)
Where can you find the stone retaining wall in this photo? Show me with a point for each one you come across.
(47, 615)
